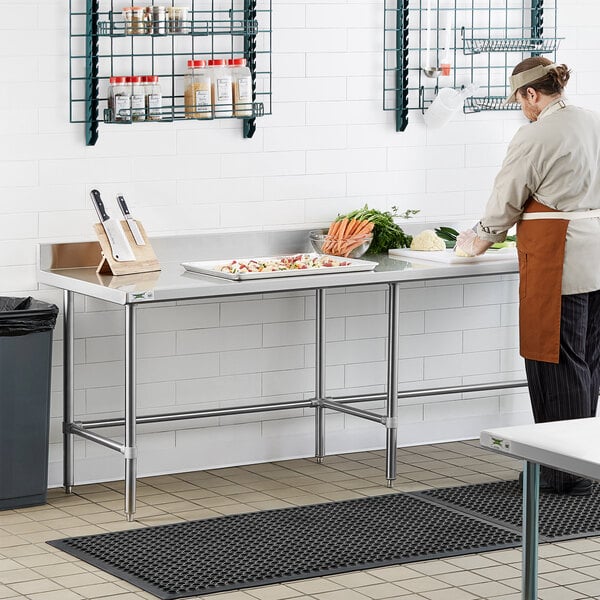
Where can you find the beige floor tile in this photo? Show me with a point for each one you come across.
(576, 561)
(581, 545)
(434, 567)
(7, 564)
(499, 573)
(100, 590)
(340, 495)
(488, 590)
(450, 594)
(55, 595)
(7, 541)
(61, 570)
(274, 592)
(76, 531)
(314, 586)
(270, 504)
(239, 595)
(566, 577)
(20, 551)
(6, 592)
(304, 500)
(400, 573)
(35, 587)
(471, 562)
(590, 589)
(423, 584)
(507, 557)
(215, 502)
(341, 595)
(355, 580)
(73, 581)
(382, 591)
(591, 570)
(234, 509)
(559, 593)
(18, 576)
(461, 578)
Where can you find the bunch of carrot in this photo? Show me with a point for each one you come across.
(346, 234)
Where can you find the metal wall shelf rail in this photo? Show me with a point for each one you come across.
(168, 114)
(102, 45)
(232, 24)
(482, 39)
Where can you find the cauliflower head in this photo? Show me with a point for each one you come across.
(427, 240)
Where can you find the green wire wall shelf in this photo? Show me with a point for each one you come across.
(482, 40)
(102, 45)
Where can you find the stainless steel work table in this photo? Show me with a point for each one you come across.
(72, 268)
(570, 446)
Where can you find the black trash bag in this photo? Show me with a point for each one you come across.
(20, 316)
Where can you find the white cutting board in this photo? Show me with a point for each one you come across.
(448, 255)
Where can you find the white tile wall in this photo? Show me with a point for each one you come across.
(328, 147)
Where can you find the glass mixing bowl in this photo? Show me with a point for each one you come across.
(352, 247)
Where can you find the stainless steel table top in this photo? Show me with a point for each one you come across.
(174, 283)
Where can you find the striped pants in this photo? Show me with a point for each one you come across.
(569, 389)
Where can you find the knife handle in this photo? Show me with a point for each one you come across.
(99, 205)
(123, 206)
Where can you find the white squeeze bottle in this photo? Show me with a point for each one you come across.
(242, 88)
(222, 87)
(446, 104)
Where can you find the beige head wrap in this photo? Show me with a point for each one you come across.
(520, 79)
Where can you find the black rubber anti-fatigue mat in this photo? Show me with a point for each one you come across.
(253, 549)
(561, 517)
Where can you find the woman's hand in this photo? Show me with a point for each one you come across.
(468, 244)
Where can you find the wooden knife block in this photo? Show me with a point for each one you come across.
(145, 259)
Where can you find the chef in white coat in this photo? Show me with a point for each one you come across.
(549, 186)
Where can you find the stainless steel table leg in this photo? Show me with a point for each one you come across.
(320, 386)
(392, 385)
(531, 493)
(68, 389)
(130, 449)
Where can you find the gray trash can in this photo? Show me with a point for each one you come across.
(26, 327)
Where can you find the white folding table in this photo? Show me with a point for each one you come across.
(571, 446)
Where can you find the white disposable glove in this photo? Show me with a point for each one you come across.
(468, 244)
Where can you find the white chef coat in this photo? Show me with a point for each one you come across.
(555, 159)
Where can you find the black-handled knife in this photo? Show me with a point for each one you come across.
(121, 250)
(131, 223)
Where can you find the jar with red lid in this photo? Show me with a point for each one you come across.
(138, 99)
(222, 87)
(119, 99)
(197, 91)
(242, 87)
(153, 98)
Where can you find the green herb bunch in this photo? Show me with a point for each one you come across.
(386, 233)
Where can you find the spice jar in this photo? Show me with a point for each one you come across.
(197, 91)
(147, 25)
(137, 20)
(138, 99)
(153, 99)
(128, 18)
(177, 16)
(242, 87)
(119, 99)
(159, 20)
(222, 87)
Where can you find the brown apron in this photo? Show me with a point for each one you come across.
(541, 249)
